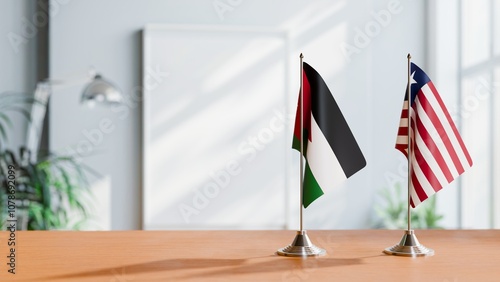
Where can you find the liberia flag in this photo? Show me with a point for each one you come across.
(331, 152)
(438, 154)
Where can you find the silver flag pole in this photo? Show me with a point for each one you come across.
(301, 245)
(409, 246)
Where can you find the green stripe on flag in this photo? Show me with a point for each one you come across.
(296, 142)
(312, 191)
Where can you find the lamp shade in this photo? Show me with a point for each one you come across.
(102, 91)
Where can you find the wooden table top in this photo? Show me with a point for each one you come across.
(353, 255)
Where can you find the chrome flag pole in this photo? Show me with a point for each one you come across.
(409, 245)
(301, 245)
(301, 168)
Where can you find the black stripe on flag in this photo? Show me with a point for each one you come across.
(332, 123)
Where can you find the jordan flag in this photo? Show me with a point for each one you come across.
(331, 152)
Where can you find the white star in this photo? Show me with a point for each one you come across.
(413, 79)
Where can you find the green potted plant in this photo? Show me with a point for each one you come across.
(393, 211)
(49, 193)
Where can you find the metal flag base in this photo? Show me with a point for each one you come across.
(409, 247)
(301, 247)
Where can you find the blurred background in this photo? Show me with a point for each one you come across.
(202, 136)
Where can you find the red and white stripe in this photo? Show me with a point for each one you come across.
(438, 153)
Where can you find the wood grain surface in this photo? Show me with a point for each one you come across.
(352, 255)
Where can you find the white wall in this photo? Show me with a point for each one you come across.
(368, 86)
(462, 31)
(444, 66)
(17, 58)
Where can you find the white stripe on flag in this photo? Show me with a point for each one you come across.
(431, 161)
(403, 122)
(322, 160)
(422, 179)
(442, 117)
(413, 195)
(402, 139)
(431, 129)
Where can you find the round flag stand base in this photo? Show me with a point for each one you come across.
(409, 247)
(301, 247)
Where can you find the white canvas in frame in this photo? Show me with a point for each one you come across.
(215, 131)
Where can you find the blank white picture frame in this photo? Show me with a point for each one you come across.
(216, 129)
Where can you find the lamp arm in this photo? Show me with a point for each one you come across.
(57, 83)
(97, 88)
(38, 110)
